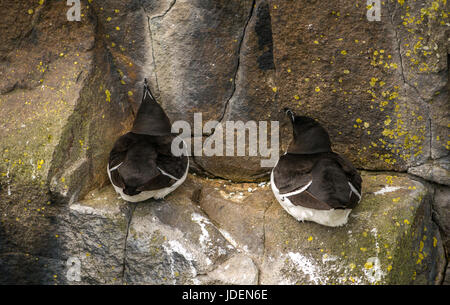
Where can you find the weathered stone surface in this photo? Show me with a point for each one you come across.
(26, 269)
(441, 213)
(437, 171)
(69, 89)
(196, 61)
(172, 241)
(447, 276)
(42, 79)
(389, 239)
(188, 49)
(264, 55)
(238, 236)
(61, 130)
(94, 232)
(253, 97)
(238, 270)
(332, 58)
(225, 204)
(60, 117)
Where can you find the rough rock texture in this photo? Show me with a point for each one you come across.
(441, 213)
(253, 96)
(69, 89)
(172, 242)
(42, 80)
(436, 171)
(247, 60)
(390, 239)
(95, 232)
(389, 76)
(59, 115)
(238, 270)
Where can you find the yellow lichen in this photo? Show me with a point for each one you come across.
(108, 95)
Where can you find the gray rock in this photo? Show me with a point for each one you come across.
(27, 269)
(261, 57)
(225, 204)
(437, 171)
(253, 96)
(238, 270)
(376, 71)
(447, 276)
(70, 89)
(196, 60)
(441, 213)
(93, 233)
(172, 241)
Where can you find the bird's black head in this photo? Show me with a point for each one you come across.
(309, 136)
(151, 119)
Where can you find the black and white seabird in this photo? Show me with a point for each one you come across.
(310, 181)
(141, 165)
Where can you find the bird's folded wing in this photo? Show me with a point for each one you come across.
(139, 172)
(291, 175)
(158, 182)
(117, 179)
(172, 166)
(308, 200)
(119, 150)
(330, 183)
(350, 171)
(354, 179)
(170, 170)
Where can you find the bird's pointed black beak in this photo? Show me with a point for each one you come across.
(147, 91)
(290, 113)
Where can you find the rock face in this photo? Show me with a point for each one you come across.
(172, 242)
(389, 239)
(390, 75)
(70, 89)
(387, 75)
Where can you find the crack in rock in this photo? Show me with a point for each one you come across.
(133, 208)
(241, 41)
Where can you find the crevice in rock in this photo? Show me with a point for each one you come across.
(264, 242)
(34, 21)
(200, 170)
(153, 54)
(430, 157)
(10, 89)
(432, 188)
(398, 47)
(152, 47)
(203, 172)
(382, 170)
(132, 209)
(241, 41)
(404, 79)
(85, 240)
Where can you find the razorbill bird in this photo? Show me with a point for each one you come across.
(141, 165)
(310, 181)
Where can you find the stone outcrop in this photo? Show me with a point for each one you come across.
(69, 89)
(216, 232)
